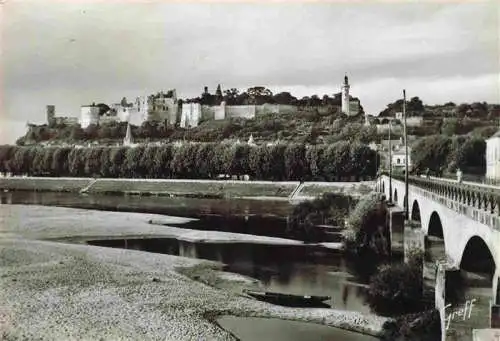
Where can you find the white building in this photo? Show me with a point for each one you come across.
(493, 157)
(89, 115)
(345, 96)
(398, 157)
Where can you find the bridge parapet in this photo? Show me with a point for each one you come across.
(479, 197)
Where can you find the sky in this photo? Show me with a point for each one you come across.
(72, 53)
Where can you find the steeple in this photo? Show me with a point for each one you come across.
(127, 141)
(218, 92)
(346, 80)
(251, 141)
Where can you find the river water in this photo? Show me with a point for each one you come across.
(307, 270)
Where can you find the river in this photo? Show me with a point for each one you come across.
(307, 270)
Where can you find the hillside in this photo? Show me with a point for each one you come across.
(307, 126)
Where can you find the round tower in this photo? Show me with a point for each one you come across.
(345, 96)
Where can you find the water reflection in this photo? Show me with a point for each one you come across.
(299, 269)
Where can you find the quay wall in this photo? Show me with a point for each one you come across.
(181, 187)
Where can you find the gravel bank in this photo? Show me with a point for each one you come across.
(57, 291)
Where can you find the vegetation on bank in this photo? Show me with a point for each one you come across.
(312, 126)
(330, 209)
(366, 226)
(341, 161)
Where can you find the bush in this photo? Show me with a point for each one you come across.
(331, 209)
(421, 326)
(366, 226)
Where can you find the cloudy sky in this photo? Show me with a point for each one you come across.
(70, 53)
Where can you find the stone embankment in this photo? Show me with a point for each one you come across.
(60, 291)
(278, 190)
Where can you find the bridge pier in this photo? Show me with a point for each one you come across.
(396, 226)
(434, 252)
(495, 304)
(413, 238)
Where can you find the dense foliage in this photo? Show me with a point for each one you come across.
(398, 288)
(339, 161)
(421, 326)
(366, 226)
(440, 153)
(331, 209)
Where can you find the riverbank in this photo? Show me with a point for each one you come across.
(52, 290)
(277, 190)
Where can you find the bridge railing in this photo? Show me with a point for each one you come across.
(480, 197)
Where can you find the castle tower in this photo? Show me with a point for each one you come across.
(51, 113)
(345, 96)
(127, 141)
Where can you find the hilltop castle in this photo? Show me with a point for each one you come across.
(165, 107)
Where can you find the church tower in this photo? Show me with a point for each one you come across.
(345, 96)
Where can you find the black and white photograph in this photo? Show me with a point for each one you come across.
(320, 170)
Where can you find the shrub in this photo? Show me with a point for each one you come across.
(421, 326)
(396, 289)
(331, 208)
(366, 225)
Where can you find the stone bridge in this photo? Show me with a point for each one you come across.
(460, 229)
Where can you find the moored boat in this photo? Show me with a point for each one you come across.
(289, 300)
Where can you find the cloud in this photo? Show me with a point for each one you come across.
(72, 53)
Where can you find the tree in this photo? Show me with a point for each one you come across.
(259, 95)
(296, 166)
(396, 289)
(471, 156)
(450, 127)
(431, 152)
(231, 96)
(415, 106)
(284, 98)
(104, 108)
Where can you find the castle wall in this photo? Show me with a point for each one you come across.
(207, 112)
(163, 109)
(105, 119)
(65, 120)
(220, 112)
(275, 109)
(240, 111)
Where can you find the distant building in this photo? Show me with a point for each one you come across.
(128, 141)
(89, 114)
(399, 158)
(493, 157)
(52, 119)
(348, 107)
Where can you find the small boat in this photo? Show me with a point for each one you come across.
(289, 300)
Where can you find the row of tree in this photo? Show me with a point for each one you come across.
(440, 153)
(259, 95)
(339, 161)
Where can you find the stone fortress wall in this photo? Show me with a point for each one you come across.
(193, 113)
(165, 107)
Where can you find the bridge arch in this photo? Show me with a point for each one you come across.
(477, 257)
(415, 211)
(435, 228)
